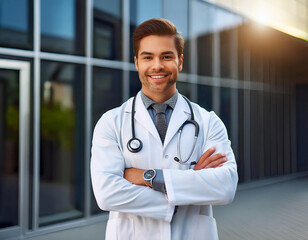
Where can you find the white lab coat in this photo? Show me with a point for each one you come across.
(139, 212)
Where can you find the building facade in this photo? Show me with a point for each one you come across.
(64, 63)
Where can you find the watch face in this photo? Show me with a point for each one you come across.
(149, 174)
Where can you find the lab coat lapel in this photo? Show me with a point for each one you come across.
(143, 117)
(179, 115)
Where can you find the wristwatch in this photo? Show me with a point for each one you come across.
(148, 177)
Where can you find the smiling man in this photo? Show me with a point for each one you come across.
(159, 162)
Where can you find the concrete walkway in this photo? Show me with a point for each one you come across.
(276, 211)
(264, 210)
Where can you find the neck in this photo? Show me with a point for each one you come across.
(159, 97)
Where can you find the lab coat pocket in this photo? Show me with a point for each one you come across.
(120, 229)
(206, 228)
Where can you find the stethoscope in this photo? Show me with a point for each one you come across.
(134, 145)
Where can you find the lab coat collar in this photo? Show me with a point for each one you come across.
(179, 115)
(142, 116)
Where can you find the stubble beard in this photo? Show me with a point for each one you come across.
(157, 88)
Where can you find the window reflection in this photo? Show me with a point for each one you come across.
(134, 83)
(16, 23)
(107, 91)
(106, 94)
(9, 147)
(62, 26)
(184, 88)
(140, 11)
(177, 12)
(205, 97)
(215, 21)
(107, 29)
(202, 35)
(62, 142)
(225, 108)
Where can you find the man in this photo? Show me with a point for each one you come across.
(143, 170)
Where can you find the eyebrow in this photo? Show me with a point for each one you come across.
(146, 53)
(163, 53)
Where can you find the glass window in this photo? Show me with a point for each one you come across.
(16, 23)
(106, 94)
(107, 29)
(140, 11)
(9, 147)
(177, 12)
(202, 29)
(63, 26)
(205, 97)
(184, 88)
(134, 83)
(107, 91)
(225, 108)
(62, 142)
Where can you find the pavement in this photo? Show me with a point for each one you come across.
(269, 212)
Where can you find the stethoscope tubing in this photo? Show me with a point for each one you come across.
(135, 145)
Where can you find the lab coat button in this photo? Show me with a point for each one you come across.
(166, 156)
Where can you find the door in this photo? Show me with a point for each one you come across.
(14, 148)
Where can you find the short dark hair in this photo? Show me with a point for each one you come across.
(159, 27)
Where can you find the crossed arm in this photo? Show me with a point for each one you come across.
(207, 160)
(212, 184)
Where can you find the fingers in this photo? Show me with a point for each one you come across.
(207, 160)
(213, 161)
(208, 153)
(216, 162)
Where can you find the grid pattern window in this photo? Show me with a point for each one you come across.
(16, 28)
(63, 26)
(77, 58)
(62, 141)
(107, 29)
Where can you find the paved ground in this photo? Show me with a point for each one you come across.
(265, 210)
(276, 211)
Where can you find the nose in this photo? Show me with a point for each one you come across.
(157, 65)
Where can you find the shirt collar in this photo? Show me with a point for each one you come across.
(170, 102)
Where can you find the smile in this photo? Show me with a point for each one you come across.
(158, 76)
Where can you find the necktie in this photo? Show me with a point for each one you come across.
(161, 123)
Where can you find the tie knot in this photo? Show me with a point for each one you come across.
(159, 107)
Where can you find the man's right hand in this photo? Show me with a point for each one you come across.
(207, 160)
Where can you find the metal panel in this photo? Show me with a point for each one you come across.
(24, 115)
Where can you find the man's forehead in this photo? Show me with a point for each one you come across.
(157, 44)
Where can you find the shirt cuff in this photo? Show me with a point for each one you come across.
(168, 186)
(158, 183)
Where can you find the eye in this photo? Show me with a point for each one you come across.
(147, 57)
(167, 57)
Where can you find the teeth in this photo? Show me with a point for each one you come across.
(157, 77)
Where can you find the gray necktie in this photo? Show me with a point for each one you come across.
(161, 123)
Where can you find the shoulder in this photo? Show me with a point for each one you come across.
(209, 117)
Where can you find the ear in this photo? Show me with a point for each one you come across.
(181, 62)
(136, 62)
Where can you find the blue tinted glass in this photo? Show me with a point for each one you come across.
(9, 147)
(140, 11)
(177, 12)
(61, 142)
(62, 26)
(15, 24)
(107, 29)
(58, 18)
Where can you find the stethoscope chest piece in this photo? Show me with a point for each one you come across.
(134, 145)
